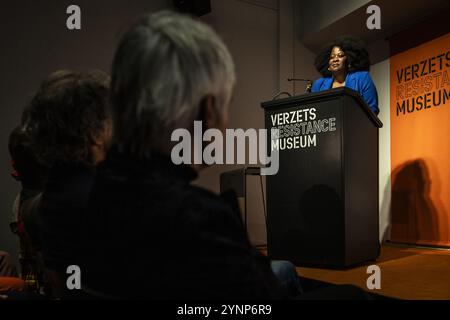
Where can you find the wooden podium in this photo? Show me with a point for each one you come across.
(322, 205)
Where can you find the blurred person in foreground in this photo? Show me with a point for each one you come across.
(69, 124)
(150, 233)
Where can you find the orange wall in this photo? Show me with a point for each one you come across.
(420, 144)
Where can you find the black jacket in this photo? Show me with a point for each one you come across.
(150, 234)
(60, 214)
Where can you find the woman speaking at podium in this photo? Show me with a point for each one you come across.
(345, 63)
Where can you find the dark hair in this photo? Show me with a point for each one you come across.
(28, 169)
(357, 55)
(66, 114)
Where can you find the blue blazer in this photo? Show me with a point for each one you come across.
(360, 81)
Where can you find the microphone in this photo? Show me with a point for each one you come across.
(308, 86)
(280, 94)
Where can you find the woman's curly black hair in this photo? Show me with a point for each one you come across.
(357, 55)
(68, 111)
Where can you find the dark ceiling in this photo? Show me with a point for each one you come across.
(396, 17)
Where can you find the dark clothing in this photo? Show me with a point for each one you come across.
(61, 208)
(7, 267)
(48, 224)
(151, 234)
(26, 227)
(28, 217)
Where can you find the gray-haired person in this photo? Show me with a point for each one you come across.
(150, 233)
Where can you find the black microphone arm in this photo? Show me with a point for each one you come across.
(280, 94)
(308, 86)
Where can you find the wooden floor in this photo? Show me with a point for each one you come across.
(406, 273)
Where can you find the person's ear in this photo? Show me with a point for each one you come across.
(100, 142)
(98, 139)
(208, 113)
(103, 136)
